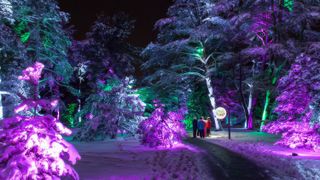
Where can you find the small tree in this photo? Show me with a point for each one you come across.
(296, 105)
(163, 129)
(32, 143)
(115, 107)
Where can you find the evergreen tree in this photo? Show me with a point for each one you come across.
(39, 26)
(12, 58)
(114, 108)
(186, 53)
(297, 102)
(32, 146)
(163, 129)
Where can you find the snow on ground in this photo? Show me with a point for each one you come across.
(259, 148)
(127, 159)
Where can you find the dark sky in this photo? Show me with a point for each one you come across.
(145, 12)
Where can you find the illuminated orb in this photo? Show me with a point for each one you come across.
(221, 113)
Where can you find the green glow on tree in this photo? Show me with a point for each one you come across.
(265, 114)
(21, 30)
(69, 116)
(110, 84)
(289, 4)
(25, 37)
(47, 42)
(199, 51)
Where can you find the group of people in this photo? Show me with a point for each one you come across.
(201, 127)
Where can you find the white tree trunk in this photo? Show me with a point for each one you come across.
(249, 107)
(1, 106)
(79, 106)
(213, 102)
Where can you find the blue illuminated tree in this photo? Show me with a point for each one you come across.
(186, 54)
(39, 26)
(114, 108)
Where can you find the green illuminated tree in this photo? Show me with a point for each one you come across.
(187, 51)
(39, 25)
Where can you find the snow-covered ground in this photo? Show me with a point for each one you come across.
(259, 148)
(127, 159)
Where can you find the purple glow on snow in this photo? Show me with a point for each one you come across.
(293, 107)
(89, 116)
(32, 73)
(33, 146)
(163, 129)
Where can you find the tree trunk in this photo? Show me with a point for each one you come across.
(243, 103)
(79, 106)
(212, 102)
(249, 124)
(265, 109)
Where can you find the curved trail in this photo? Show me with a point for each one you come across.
(227, 165)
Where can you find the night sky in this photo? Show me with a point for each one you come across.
(145, 12)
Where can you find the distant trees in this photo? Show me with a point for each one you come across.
(112, 105)
(251, 44)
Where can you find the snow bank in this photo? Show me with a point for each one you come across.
(259, 148)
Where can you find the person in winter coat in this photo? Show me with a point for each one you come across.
(208, 126)
(205, 127)
(201, 126)
(195, 126)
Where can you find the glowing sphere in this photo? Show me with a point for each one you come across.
(221, 113)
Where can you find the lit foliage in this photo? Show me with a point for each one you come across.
(39, 26)
(289, 4)
(147, 95)
(32, 146)
(114, 108)
(21, 30)
(69, 115)
(163, 129)
(299, 90)
(261, 26)
(6, 10)
(171, 63)
(198, 105)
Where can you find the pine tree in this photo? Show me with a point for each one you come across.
(297, 103)
(32, 146)
(186, 53)
(12, 59)
(115, 108)
(163, 129)
(39, 26)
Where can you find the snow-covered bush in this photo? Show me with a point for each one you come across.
(32, 146)
(163, 129)
(114, 108)
(297, 103)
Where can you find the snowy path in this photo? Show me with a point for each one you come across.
(225, 164)
(128, 160)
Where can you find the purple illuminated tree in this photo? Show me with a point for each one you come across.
(32, 146)
(163, 129)
(296, 105)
